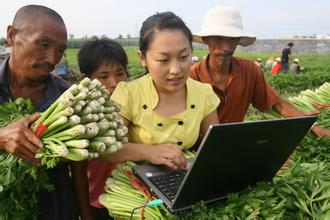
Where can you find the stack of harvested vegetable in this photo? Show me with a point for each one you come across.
(82, 123)
(310, 102)
(314, 102)
(20, 182)
(124, 192)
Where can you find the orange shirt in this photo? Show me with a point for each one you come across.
(246, 86)
(276, 68)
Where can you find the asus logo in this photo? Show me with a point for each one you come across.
(262, 141)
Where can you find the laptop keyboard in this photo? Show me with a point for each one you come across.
(169, 183)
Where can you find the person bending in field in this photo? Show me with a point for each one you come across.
(238, 82)
(105, 60)
(295, 67)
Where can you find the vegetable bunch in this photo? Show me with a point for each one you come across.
(20, 182)
(82, 123)
(124, 192)
(311, 148)
(120, 197)
(310, 101)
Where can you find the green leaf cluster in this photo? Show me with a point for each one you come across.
(20, 182)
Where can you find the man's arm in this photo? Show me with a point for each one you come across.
(18, 139)
(286, 109)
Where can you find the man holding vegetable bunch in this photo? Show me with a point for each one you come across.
(38, 40)
(238, 82)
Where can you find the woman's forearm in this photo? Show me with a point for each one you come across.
(130, 151)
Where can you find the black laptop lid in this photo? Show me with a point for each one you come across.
(236, 155)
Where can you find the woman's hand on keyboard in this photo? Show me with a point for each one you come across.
(167, 154)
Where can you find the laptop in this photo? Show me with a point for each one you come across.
(230, 158)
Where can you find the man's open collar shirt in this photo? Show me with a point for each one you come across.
(55, 86)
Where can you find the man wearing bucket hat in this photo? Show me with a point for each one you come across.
(238, 82)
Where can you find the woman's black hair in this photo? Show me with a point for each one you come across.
(95, 52)
(160, 21)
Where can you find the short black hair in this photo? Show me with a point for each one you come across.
(160, 21)
(95, 52)
(290, 44)
(30, 13)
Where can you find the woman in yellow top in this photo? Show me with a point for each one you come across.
(165, 110)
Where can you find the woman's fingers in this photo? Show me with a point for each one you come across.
(170, 163)
(169, 155)
(177, 158)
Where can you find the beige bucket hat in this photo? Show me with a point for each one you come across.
(223, 21)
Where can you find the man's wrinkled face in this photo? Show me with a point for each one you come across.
(37, 48)
(221, 48)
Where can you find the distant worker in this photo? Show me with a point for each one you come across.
(286, 57)
(269, 63)
(295, 67)
(277, 66)
(258, 62)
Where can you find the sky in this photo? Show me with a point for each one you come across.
(263, 18)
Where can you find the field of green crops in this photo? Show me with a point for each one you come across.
(317, 69)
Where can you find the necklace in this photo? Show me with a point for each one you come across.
(220, 83)
(221, 92)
